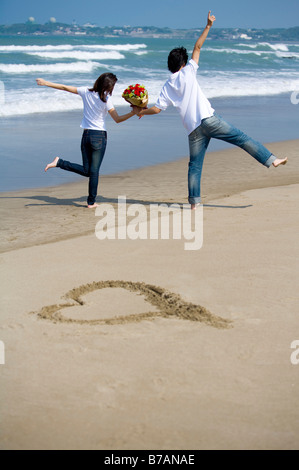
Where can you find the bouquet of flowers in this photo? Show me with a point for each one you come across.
(136, 95)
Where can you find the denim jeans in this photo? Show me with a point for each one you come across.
(93, 146)
(216, 127)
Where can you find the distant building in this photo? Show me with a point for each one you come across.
(90, 25)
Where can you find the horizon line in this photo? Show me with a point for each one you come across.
(94, 25)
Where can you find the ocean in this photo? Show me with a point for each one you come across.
(251, 83)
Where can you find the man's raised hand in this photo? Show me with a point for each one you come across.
(211, 19)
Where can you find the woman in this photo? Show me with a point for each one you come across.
(97, 104)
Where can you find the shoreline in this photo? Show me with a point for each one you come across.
(49, 214)
(135, 144)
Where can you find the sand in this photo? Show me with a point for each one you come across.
(140, 344)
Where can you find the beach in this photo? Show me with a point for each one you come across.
(130, 328)
(140, 344)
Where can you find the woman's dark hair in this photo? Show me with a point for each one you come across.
(104, 85)
(177, 57)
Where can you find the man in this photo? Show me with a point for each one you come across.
(183, 92)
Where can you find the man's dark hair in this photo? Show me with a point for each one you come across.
(177, 57)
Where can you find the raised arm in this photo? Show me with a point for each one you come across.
(57, 86)
(202, 38)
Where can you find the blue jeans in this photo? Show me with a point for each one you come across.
(217, 128)
(93, 146)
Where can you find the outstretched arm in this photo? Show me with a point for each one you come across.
(202, 38)
(149, 111)
(117, 118)
(57, 86)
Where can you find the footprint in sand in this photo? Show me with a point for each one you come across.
(101, 307)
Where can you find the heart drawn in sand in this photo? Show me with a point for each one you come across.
(165, 303)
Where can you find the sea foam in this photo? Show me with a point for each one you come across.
(69, 47)
(80, 55)
(82, 67)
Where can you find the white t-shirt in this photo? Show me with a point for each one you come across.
(95, 110)
(183, 92)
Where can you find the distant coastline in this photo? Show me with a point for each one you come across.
(62, 29)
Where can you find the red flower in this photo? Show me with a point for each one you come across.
(137, 94)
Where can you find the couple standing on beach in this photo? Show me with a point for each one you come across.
(181, 91)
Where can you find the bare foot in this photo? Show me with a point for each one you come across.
(53, 164)
(279, 161)
(195, 206)
(93, 206)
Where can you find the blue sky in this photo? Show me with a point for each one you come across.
(172, 13)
